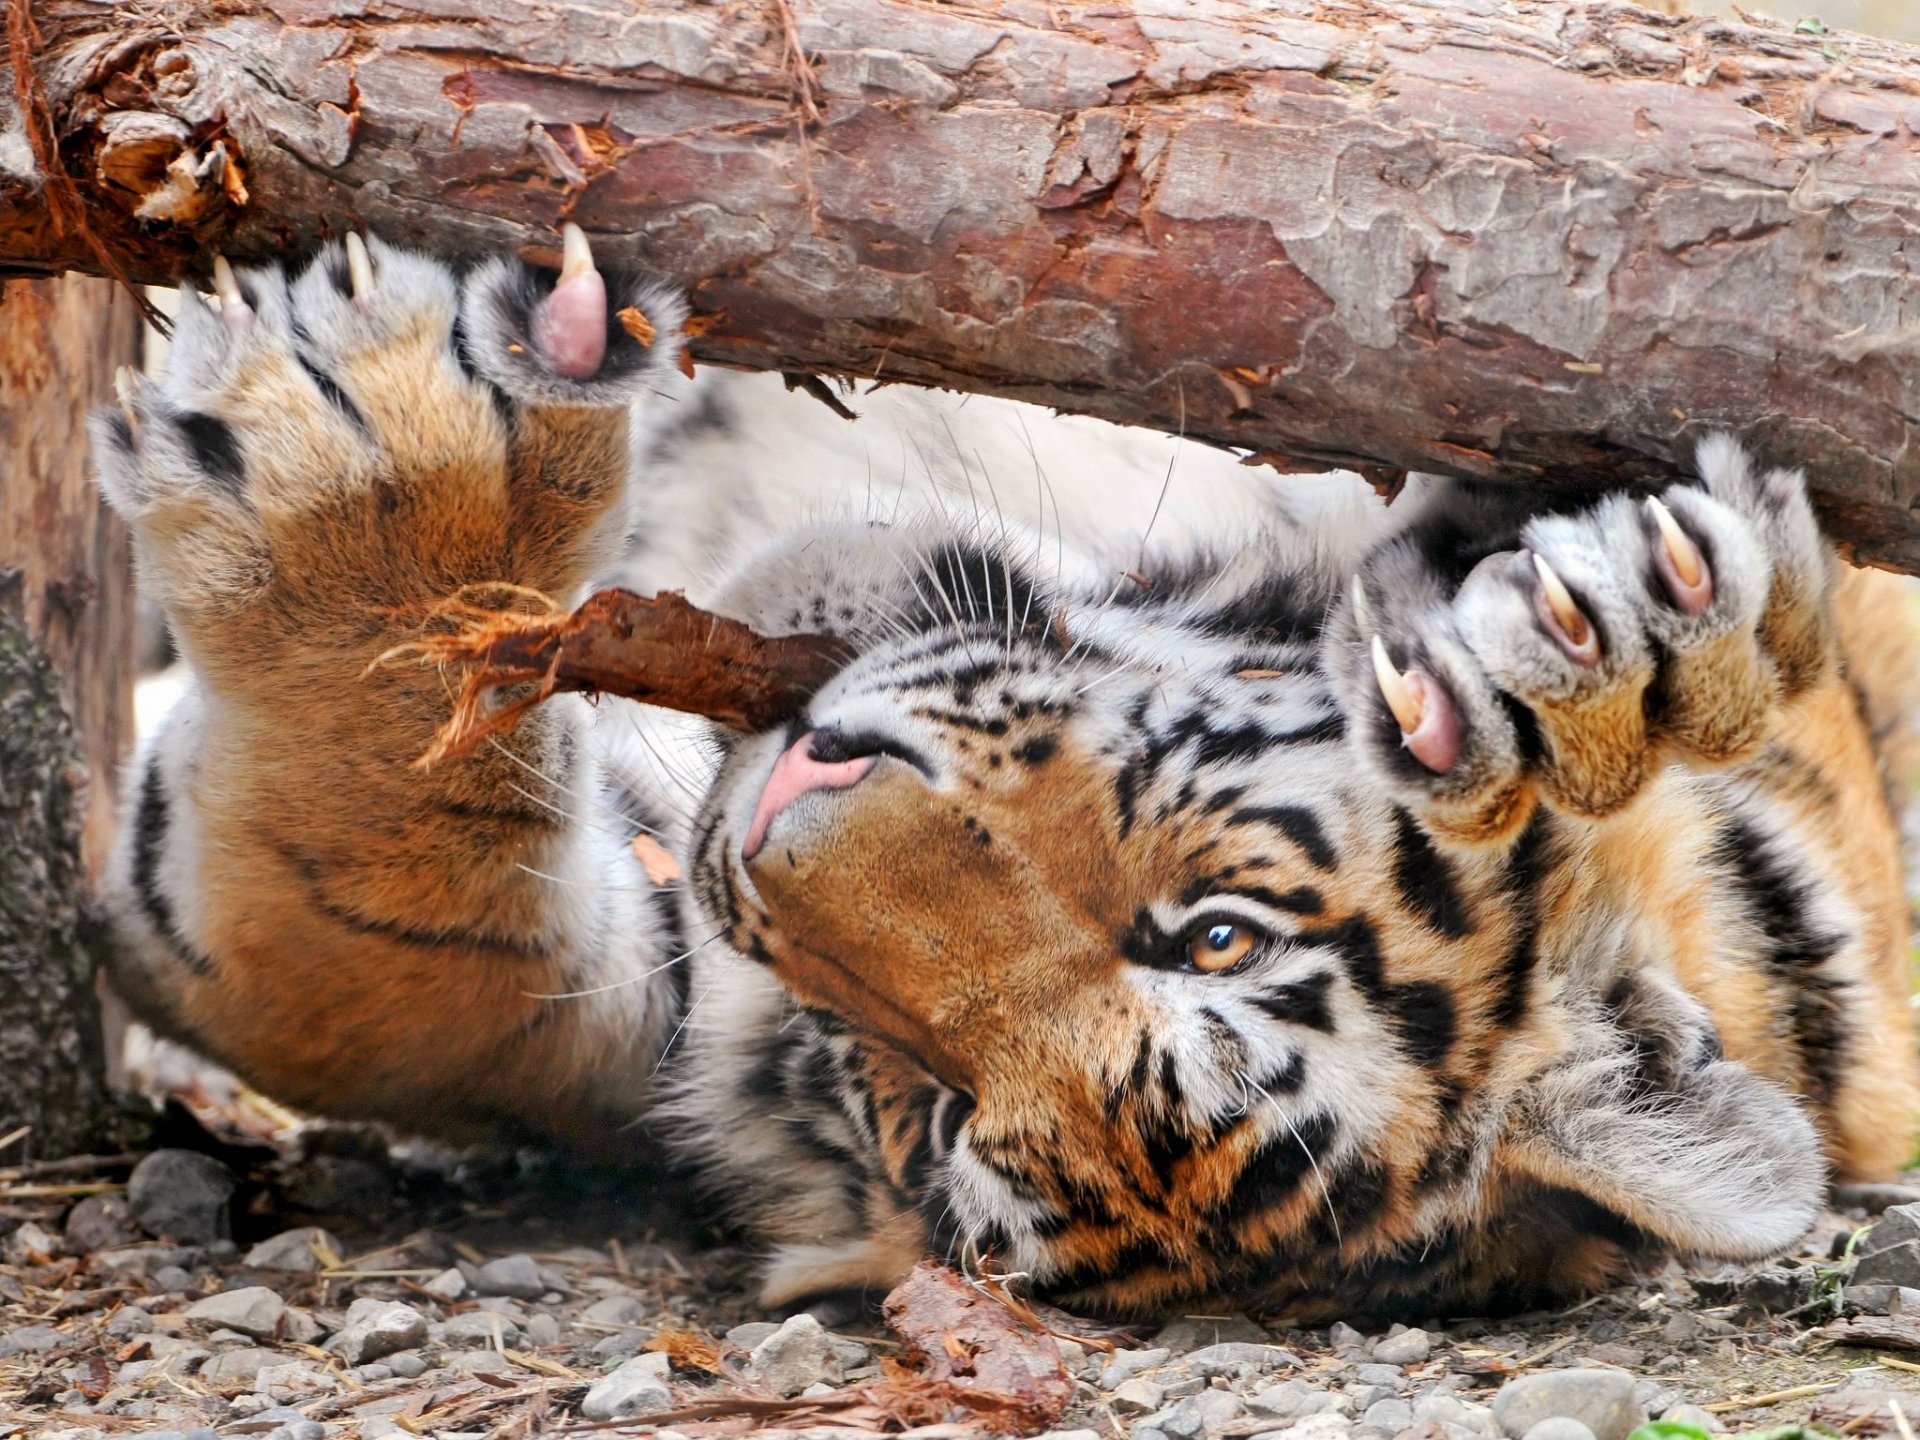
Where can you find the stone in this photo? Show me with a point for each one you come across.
(633, 1389)
(1342, 1336)
(1190, 1334)
(293, 1250)
(377, 1328)
(1410, 1347)
(627, 1310)
(1392, 1416)
(1193, 1417)
(293, 1380)
(800, 1353)
(1290, 1401)
(239, 1368)
(479, 1362)
(447, 1285)
(1560, 1427)
(31, 1340)
(1325, 1426)
(852, 1353)
(1899, 1225)
(1602, 1400)
(514, 1275)
(252, 1310)
(476, 1327)
(1894, 1265)
(1137, 1397)
(128, 1321)
(100, 1222)
(172, 1278)
(1069, 1435)
(1234, 1357)
(541, 1330)
(1372, 1373)
(300, 1328)
(181, 1195)
(745, 1336)
(1694, 1415)
(407, 1364)
(1126, 1364)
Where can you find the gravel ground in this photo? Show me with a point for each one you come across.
(325, 1285)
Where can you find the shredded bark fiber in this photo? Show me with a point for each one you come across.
(660, 650)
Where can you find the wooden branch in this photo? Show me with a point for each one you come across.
(660, 650)
(1552, 240)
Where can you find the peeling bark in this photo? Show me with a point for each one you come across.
(1546, 240)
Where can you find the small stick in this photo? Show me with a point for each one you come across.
(659, 650)
(1772, 1397)
(1549, 1351)
(1900, 1417)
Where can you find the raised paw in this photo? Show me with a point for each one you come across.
(1602, 646)
(355, 443)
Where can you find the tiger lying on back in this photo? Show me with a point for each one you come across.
(1439, 913)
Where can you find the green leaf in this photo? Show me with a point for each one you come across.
(1812, 25)
(1671, 1430)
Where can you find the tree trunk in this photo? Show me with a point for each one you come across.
(66, 699)
(1550, 240)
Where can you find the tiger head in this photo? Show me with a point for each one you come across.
(1135, 982)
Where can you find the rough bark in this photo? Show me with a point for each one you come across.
(1548, 240)
(66, 647)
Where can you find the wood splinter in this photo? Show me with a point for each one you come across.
(659, 650)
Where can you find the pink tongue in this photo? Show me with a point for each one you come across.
(570, 327)
(794, 774)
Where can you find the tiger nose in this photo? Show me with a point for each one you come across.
(794, 774)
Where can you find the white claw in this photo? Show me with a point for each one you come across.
(124, 381)
(233, 305)
(576, 255)
(1685, 555)
(1401, 698)
(1560, 601)
(359, 266)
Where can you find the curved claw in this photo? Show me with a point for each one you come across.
(359, 268)
(1683, 569)
(570, 327)
(234, 310)
(1428, 725)
(1402, 699)
(125, 380)
(1563, 618)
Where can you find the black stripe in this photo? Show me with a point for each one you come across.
(1300, 1002)
(1426, 880)
(150, 827)
(215, 450)
(1298, 824)
(1273, 1172)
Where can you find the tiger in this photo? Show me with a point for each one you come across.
(1441, 907)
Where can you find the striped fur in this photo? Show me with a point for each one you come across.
(1627, 979)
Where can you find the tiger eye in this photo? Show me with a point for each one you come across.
(1220, 947)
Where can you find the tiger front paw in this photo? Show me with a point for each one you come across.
(1610, 643)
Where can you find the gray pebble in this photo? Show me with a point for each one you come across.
(1290, 1401)
(1235, 1357)
(1325, 1426)
(238, 1367)
(1344, 1337)
(407, 1364)
(31, 1340)
(128, 1320)
(1410, 1347)
(100, 1222)
(1126, 1364)
(745, 1336)
(800, 1353)
(1373, 1374)
(1137, 1397)
(181, 1195)
(252, 1310)
(636, 1388)
(541, 1330)
(625, 1310)
(1602, 1400)
(377, 1328)
(447, 1285)
(1560, 1427)
(172, 1279)
(476, 1327)
(514, 1275)
(1190, 1334)
(1392, 1416)
(293, 1250)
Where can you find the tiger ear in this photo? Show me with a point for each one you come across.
(1707, 1156)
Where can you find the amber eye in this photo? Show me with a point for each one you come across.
(1221, 946)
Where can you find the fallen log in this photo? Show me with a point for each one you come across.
(1550, 240)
